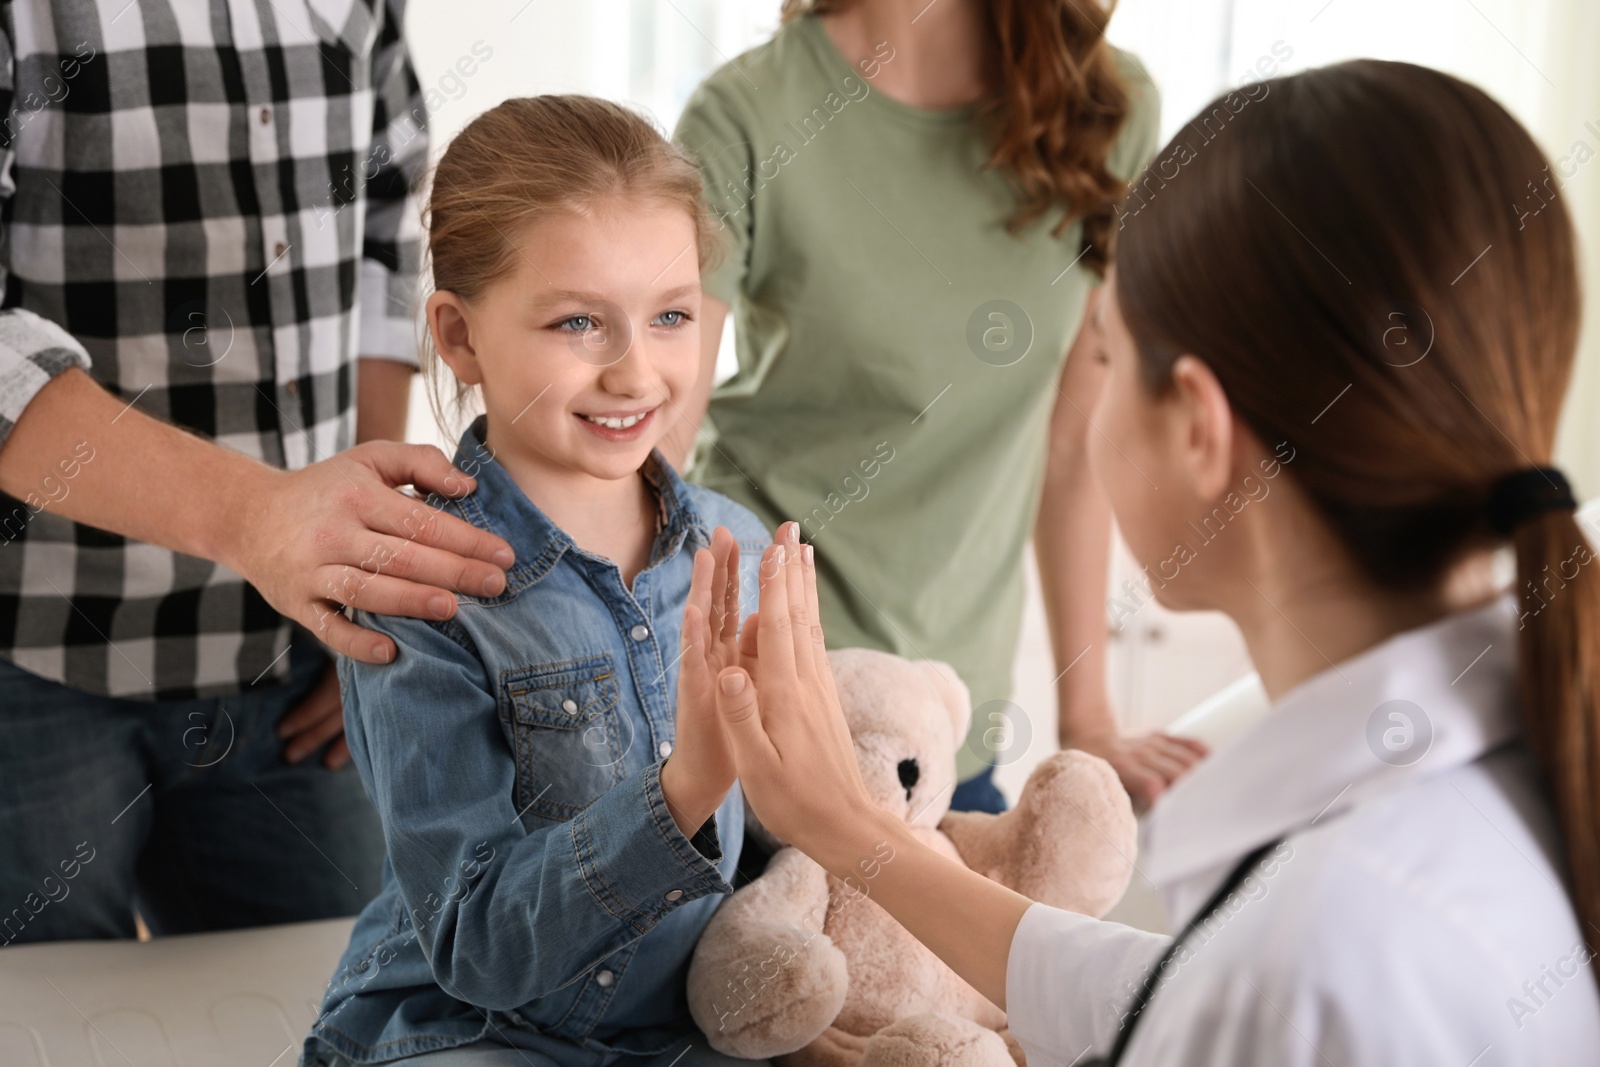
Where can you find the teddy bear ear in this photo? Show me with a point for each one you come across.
(953, 692)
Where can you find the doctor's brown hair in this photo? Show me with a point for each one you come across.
(1372, 261)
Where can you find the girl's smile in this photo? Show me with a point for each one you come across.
(618, 426)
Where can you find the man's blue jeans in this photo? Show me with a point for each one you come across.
(186, 809)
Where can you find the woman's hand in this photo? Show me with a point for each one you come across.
(1146, 764)
(788, 734)
(339, 532)
(700, 771)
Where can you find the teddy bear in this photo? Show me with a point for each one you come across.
(804, 967)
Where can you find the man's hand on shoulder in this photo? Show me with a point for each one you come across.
(340, 532)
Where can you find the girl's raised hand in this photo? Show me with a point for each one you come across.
(788, 734)
(700, 771)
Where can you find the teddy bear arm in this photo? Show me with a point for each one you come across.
(984, 842)
(765, 980)
(791, 888)
(1069, 842)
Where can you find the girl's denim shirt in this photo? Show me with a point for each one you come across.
(536, 887)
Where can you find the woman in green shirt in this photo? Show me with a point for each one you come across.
(918, 204)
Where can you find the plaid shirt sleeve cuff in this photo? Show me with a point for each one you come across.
(32, 351)
(386, 331)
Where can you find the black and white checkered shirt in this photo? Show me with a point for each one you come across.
(210, 206)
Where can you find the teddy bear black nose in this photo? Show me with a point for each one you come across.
(909, 772)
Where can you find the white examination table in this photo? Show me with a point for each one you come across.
(248, 997)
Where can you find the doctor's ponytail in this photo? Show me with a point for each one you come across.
(1558, 586)
(1372, 260)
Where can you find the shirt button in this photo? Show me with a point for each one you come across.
(292, 388)
(569, 706)
(639, 632)
(665, 749)
(279, 249)
(266, 115)
(676, 894)
(604, 979)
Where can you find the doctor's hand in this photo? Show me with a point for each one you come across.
(798, 769)
(788, 734)
(700, 771)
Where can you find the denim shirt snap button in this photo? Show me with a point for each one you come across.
(604, 979)
(675, 894)
(665, 749)
(639, 632)
(569, 706)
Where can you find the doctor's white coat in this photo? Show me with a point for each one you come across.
(1414, 914)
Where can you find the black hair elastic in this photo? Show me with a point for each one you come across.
(1526, 494)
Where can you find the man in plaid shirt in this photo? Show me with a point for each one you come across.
(208, 210)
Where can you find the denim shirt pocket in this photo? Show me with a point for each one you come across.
(569, 737)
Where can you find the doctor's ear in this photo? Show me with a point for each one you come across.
(449, 323)
(1206, 434)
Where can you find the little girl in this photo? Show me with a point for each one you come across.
(551, 856)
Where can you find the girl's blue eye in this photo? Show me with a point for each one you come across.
(577, 324)
(672, 318)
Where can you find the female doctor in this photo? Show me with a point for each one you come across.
(1400, 863)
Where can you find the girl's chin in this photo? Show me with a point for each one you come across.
(576, 456)
(606, 460)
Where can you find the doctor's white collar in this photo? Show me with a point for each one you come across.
(1419, 703)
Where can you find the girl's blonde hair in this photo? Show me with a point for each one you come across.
(525, 160)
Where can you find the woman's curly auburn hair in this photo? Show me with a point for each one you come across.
(1059, 106)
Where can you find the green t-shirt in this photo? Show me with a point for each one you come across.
(867, 249)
